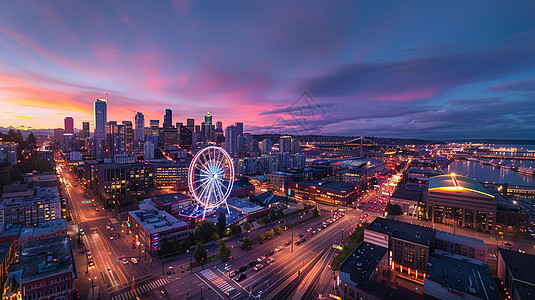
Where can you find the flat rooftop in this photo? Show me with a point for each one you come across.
(405, 231)
(460, 239)
(43, 258)
(337, 186)
(4, 248)
(460, 273)
(241, 185)
(173, 197)
(42, 195)
(154, 220)
(47, 227)
(360, 265)
(406, 194)
(244, 205)
(520, 264)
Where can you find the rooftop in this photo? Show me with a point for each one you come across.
(460, 239)
(42, 195)
(360, 265)
(459, 273)
(4, 248)
(173, 197)
(47, 227)
(328, 185)
(405, 231)
(154, 220)
(520, 264)
(243, 205)
(406, 194)
(241, 185)
(268, 198)
(357, 162)
(457, 183)
(43, 258)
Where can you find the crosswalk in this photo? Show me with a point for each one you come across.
(219, 282)
(141, 290)
(94, 219)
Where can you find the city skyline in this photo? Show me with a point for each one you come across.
(419, 70)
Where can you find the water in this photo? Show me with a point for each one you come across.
(489, 173)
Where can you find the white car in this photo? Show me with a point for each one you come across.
(124, 261)
(279, 248)
(134, 260)
(258, 267)
(261, 258)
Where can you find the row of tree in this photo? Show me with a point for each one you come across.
(268, 235)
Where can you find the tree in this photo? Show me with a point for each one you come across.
(200, 254)
(224, 251)
(277, 230)
(246, 226)
(235, 229)
(315, 213)
(215, 236)
(247, 243)
(204, 231)
(269, 234)
(221, 224)
(32, 141)
(260, 237)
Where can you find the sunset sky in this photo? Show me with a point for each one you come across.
(423, 69)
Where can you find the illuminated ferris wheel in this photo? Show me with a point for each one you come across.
(211, 176)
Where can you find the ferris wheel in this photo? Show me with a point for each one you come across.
(210, 177)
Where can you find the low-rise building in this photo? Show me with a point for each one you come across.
(241, 189)
(152, 226)
(119, 184)
(462, 245)
(33, 206)
(515, 270)
(172, 203)
(7, 254)
(330, 192)
(21, 235)
(45, 270)
(279, 182)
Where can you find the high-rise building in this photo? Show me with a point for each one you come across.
(140, 126)
(190, 123)
(208, 119)
(295, 147)
(219, 125)
(168, 118)
(155, 127)
(149, 151)
(58, 135)
(116, 138)
(219, 136)
(285, 144)
(231, 139)
(84, 133)
(129, 134)
(239, 128)
(100, 118)
(185, 138)
(267, 145)
(69, 125)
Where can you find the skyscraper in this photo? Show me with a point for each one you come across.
(267, 145)
(285, 144)
(208, 119)
(155, 127)
(239, 128)
(219, 125)
(69, 125)
(140, 126)
(231, 139)
(100, 118)
(129, 135)
(84, 133)
(190, 123)
(168, 118)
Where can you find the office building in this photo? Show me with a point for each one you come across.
(168, 118)
(185, 137)
(239, 128)
(153, 227)
(219, 125)
(172, 203)
(32, 206)
(58, 135)
(190, 124)
(267, 146)
(285, 144)
(279, 182)
(515, 271)
(8, 153)
(148, 153)
(7, 255)
(170, 174)
(100, 118)
(208, 119)
(45, 270)
(140, 127)
(116, 134)
(231, 139)
(219, 136)
(84, 133)
(129, 135)
(170, 136)
(119, 184)
(69, 125)
(329, 192)
(20, 235)
(155, 127)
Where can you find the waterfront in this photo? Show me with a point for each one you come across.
(489, 173)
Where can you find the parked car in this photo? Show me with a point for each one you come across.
(261, 258)
(124, 261)
(270, 253)
(231, 292)
(134, 260)
(258, 267)
(241, 277)
(251, 264)
(288, 243)
(279, 248)
(241, 269)
(270, 260)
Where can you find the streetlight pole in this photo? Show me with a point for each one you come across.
(292, 240)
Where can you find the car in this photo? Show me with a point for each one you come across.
(251, 264)
(258, 267)
(117, 235)
(303, 240)
(111, 236)
(279, 248)
(270, 253)
(134, 260)
(270, 260)
(124, 261)
(261, 258)
(108, 227)
(300, 236)
(319, 228)
(297, 243)
(163, 292)
(97, 209)
(241, 269)
(82, 231)
(508, 244)
(95, 232)
(288, 243)
(240, 277)
(231, 292)
(111, 228)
